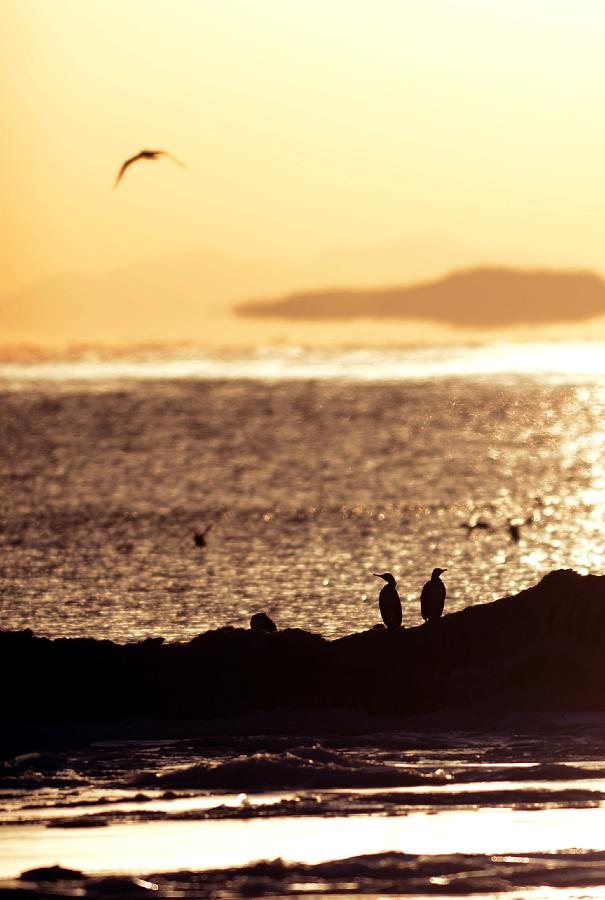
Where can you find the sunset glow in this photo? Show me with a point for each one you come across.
(302, 456)
(315, 133)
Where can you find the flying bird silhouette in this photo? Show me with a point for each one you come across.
(475, 524)
(146, 154)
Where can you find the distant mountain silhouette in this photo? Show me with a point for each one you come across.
(170, 299)
(486, 297)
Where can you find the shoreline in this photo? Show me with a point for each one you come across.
(537, 651)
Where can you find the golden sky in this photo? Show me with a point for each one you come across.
(308, 126)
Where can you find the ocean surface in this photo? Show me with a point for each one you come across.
(310, 483)
(336, 805)
(314, 470)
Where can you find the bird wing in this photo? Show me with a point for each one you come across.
(170, 156)
(124, 166)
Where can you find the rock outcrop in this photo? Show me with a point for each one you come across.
(543, 649)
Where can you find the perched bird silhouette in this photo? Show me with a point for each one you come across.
(199, 537)
(262, 622)
(145, 154)
(432, 597)
(389, 602)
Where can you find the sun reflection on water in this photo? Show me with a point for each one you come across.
(551, 360)
(310, 485)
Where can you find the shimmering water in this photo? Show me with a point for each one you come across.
(314, 471)
(310, 485)
(449, 812)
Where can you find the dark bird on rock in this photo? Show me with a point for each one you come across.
(389, 602)
(432, 597)
(199, 537)
(262, 622)
(146, 154)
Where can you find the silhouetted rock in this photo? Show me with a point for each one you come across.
(119, 887)
(542, 649)
(262, 622)
(481, 298)
(52, 873)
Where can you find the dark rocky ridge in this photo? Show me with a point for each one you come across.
(542, 649)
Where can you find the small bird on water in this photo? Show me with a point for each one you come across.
(199, 537)
(432, 597)
(515, 525)
(389, 602)
(146, 154)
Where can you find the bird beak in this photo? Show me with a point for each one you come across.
(376, 575)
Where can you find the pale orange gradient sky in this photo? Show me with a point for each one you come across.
(308, 125)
